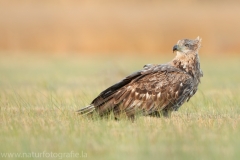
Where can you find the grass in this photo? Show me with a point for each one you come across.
(39, 94)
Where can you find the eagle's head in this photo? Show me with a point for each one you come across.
(187, 46)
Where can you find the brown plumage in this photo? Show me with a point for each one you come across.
(156, 89)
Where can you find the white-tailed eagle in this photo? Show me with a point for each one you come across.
(156, 89)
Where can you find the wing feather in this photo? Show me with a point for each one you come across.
(151, 89)
(158, 90)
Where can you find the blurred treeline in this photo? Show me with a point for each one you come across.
(117, 26)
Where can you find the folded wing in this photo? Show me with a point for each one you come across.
(150, 90)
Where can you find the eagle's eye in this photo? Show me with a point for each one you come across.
(186, 45)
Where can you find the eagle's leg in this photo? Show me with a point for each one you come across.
(167, 113)
(163, 113)
(131, 118)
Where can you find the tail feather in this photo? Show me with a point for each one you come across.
(86, 110)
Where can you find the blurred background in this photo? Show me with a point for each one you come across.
(117, 26)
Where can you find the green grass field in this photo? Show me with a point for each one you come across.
(39, 94)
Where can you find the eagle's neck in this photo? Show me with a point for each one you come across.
(189, 63)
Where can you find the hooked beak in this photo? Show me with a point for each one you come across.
(175, 48)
